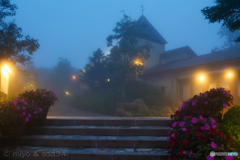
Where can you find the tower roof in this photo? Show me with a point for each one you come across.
(144, 27)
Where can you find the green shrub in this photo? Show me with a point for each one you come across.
(102, 102)
(158, 112)
(150, 94)
(231, 124)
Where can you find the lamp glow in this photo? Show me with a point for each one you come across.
(201, 78)
(229, 74)
(73, 77)
(6, 67)
(108, 80)
(67, 93)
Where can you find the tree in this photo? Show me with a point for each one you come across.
(95, 73)
(226, 11)
(229, 36)
(12, 44)
(125, 50)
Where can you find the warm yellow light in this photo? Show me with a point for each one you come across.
(6, 67)
(201, 78)
(67, 93)
(138, 63)
(108, 80)
(229, 74)
(74, 77)
(4, 81)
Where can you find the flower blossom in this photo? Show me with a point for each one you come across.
(206, 102)
(193, 103)
(174, 124)
(229, 157)
(26, 119)
(205, 94)
(213, 126)
(214, 145)
(206, 127)
(183, 129)
(182, 152)
(190, 154)
(194, 120)
(181, 124)
(15, 102)
(210, 157)
(224, 106)
(183, 105)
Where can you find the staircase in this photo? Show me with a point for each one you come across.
(101, 138)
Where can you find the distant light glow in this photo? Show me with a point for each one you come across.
(73, 77)
(67, 93)
(229, 74)
(138, 63)
(108, 80)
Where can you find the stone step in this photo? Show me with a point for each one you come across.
(107, 121)
(100, 130)
(51, 153)
(93, 141)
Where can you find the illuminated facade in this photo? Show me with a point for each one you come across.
(181, 73)
(182, 79)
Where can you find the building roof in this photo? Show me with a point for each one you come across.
(144, 27)
(231, 53)
(177, 54)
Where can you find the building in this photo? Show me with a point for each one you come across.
(181, 73)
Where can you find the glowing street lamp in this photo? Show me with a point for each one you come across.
(67, 93)
(201, 78)
(108, 80)
(229, 74)
(73, 77)
(5, 79)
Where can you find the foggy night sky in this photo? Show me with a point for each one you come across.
(73, 29)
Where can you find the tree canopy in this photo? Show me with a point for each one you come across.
(116, 68)
(13, 44)
(227, 12)
(96, 73)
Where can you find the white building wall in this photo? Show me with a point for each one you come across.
(155, 52)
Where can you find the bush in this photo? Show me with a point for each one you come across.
(15, 113)
(102, 102)
(159, 112)
(231, 125)
(39, 101)
(195, 128)
(149, 94)
(105, 101)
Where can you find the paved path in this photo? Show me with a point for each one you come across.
(60, 109)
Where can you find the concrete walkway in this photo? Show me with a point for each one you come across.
(63, 110)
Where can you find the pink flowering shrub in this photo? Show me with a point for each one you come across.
(39, 102)
(195, 130)
(13, 117)
(28, 107)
